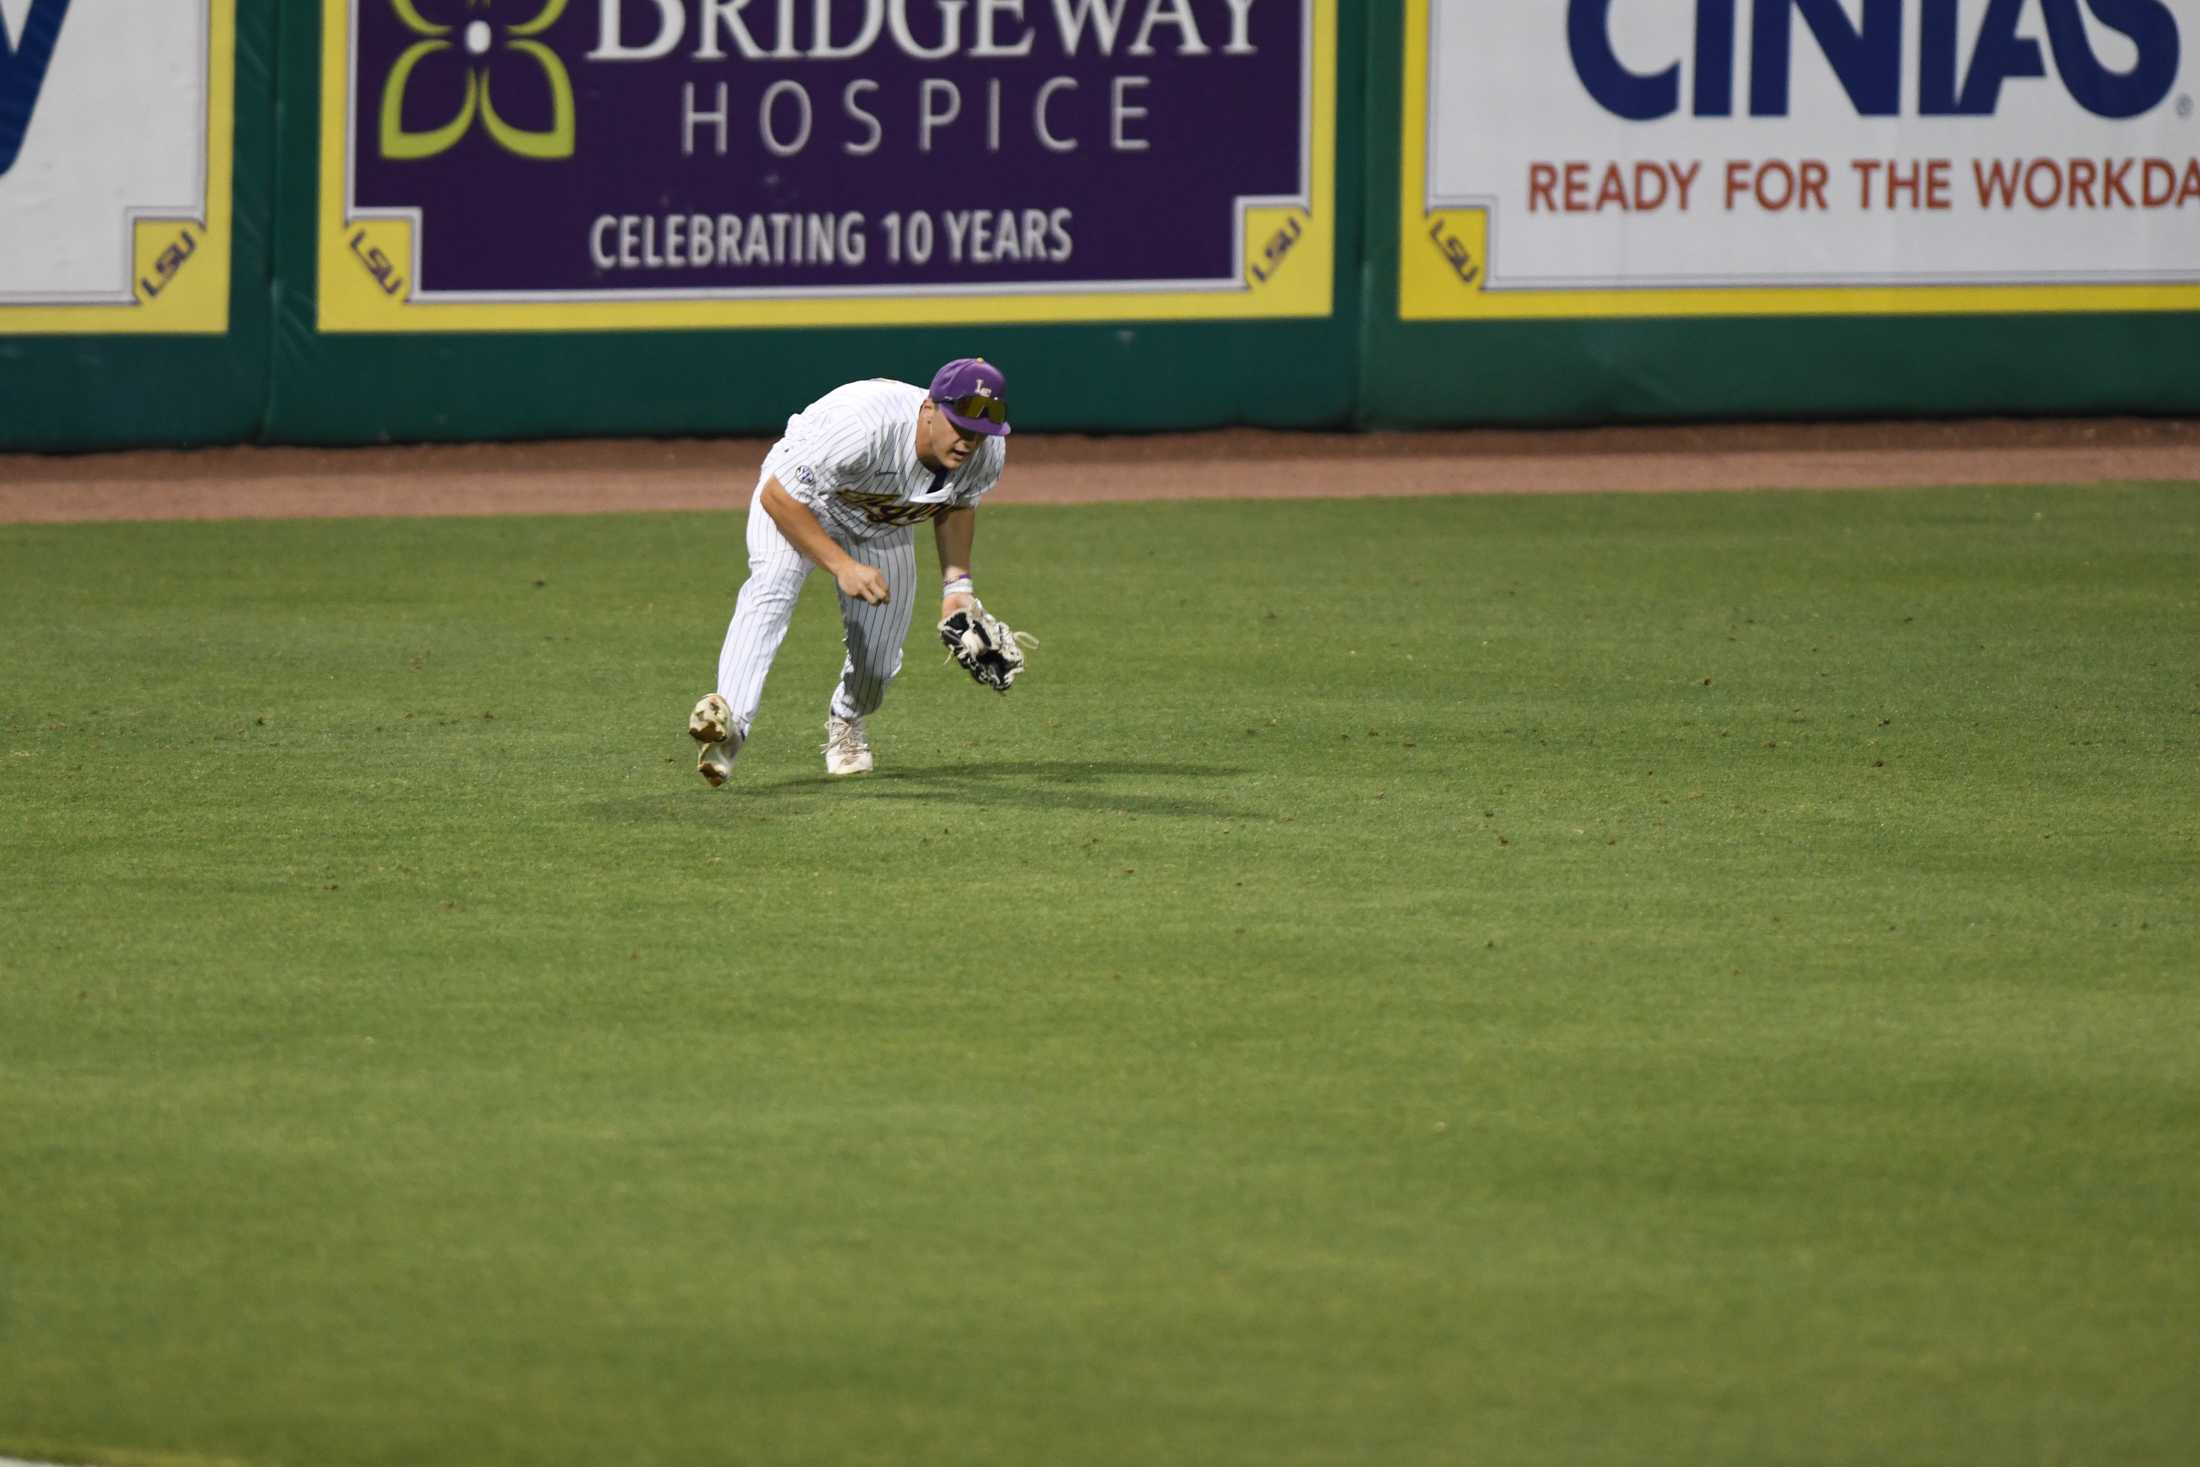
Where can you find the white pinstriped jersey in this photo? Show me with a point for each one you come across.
(851, 457)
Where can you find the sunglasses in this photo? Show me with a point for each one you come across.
(992, 409)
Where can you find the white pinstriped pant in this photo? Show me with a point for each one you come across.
(872, 634)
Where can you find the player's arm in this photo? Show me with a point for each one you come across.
(806, 534)
(954, 532)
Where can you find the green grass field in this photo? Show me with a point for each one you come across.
(1567, 980)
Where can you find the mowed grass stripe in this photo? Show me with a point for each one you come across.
(1592, 979)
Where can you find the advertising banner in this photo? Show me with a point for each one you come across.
(498, 165)
(1610, 158)
(116, 153)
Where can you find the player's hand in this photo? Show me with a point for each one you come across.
(866, 583)
(960, 601)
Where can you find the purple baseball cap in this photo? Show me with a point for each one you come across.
(973, 394)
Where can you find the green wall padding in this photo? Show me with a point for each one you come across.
(275, 378)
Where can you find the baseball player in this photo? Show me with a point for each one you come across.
(843, 490)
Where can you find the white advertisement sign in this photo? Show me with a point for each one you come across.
(1589, 157)
(114, 145)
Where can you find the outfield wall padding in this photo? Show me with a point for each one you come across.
(1903, 338)
(509, 378)
(172, 362)
(279, 368)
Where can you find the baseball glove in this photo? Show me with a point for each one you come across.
(986, 648)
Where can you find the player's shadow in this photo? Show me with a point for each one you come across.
(1050, 784)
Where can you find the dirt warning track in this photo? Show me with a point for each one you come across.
(615, 476)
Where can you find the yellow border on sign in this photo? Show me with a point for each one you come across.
(180, 263)
(1443, 260)
(366, 260)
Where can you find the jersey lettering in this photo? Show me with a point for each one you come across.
(891, 509)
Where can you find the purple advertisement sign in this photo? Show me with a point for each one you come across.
(670, 149)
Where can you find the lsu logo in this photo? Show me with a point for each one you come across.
(1867, 56)
(26, 46)
(465, 56)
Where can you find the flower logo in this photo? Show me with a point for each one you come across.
(484, 49)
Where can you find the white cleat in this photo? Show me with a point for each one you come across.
(714, 761)
(847, 748)
(711, 725)
(710, 720)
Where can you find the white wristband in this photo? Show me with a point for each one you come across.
(960, 586)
